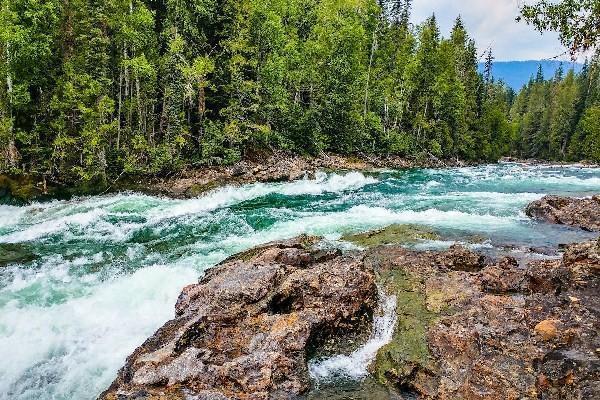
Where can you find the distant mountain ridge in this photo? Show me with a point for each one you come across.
(517, 73)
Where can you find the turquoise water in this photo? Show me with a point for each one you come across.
(108, 269)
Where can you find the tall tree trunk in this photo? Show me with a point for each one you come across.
(201, 110)
(373, 47)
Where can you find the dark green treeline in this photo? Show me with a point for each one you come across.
(559, 119)
(95, 88)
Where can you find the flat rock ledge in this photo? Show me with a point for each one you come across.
(244, 331)
(583, 213)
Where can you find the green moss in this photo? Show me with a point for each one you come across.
(393, 234)
(408, 349)
(246, 255)
(198, 189)
(17, 190)
(15, 253)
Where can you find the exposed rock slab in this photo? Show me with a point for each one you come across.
(243, 332)
(393, 234)
(583, 213)
(503, 332)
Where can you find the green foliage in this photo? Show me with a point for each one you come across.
(587, 137)
(91, 89)
(550, 116)
(577, 22)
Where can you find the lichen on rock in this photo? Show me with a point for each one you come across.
(393, 234)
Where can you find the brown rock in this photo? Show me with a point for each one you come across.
(504, 277)
(244, 331)
(459, 258)
(479, 338)
(584, 213)
(547, 329)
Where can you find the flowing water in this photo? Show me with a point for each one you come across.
(106, 270)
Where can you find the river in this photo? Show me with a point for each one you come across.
(104, 272)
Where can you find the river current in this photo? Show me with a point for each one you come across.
(106, 271)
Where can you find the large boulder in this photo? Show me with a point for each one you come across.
(246, 329)
(507, 331)
(583, 213)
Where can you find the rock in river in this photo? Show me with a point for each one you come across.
(243, 332)
(504, 332)
(466, 328)
(583, 213)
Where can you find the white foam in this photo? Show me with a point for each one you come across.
(10, 215)
(362, 218)
(73, 350)
(230, 195)
(46, 228)
(355, 365)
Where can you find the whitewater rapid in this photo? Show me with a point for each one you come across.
(356, 364)
(108, 269)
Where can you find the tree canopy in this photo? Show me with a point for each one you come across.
(576, 21)
(92, 89)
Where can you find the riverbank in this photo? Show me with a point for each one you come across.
(266, 168)
(192, 182)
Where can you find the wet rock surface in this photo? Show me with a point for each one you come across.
(583, 213)
(467, 327)
(246, 329)
(504, 332)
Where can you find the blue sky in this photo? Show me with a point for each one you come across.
(492, 22)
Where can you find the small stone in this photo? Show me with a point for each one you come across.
(547, 329)
(573, 299)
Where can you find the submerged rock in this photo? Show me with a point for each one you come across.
(244, 331)
(393, 234)
(583, 213)
(15, 253)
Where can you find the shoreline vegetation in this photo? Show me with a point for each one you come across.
(266, 168)
(94, 91)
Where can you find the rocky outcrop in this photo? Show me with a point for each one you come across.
(244, 331)
(504, 332)
(269, 167)
(583, 213)
(466, 327)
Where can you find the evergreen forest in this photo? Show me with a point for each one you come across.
(92, 89)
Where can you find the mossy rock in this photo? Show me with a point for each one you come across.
(408, 350)
(393, 234)
(200, 189)
(17, 190)
(23, 189)
(15, 253)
